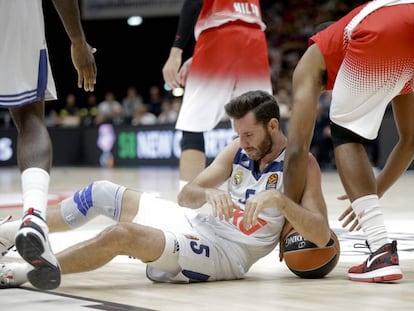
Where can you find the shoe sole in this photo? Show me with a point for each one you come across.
(45, 275)
(380, 279)
(388, 274)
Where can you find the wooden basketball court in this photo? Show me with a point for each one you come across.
(269, 285)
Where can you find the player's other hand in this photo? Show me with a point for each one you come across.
(256, 203)
(349, 217)
(84, 63)
(183, 73)
(171, 68)
(221, 203)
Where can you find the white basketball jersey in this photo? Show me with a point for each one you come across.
(245, 181)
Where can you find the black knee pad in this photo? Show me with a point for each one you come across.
(192, 140)
(341, 135)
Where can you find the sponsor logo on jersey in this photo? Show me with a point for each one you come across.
(272, 181)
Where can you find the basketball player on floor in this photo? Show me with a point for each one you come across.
(230, 58)
(26, 81)
(367, 60)
(177, 243)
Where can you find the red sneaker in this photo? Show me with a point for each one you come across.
(380, 266)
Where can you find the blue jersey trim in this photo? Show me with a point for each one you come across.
(30, 96)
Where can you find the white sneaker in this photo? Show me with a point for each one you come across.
(33, 245)
(13, 274)
(5, 244)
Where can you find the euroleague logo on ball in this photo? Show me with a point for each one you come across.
(295, 239)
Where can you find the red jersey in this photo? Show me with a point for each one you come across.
(218, 12)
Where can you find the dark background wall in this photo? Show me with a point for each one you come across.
(126, 55)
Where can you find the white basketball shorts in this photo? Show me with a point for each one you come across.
(198, 252)
(25, 74)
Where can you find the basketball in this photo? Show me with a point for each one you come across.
(305, 259)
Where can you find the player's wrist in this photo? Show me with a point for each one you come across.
(176, 52)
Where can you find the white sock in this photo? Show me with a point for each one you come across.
(371, 219)
(99, 198)
(35, 187)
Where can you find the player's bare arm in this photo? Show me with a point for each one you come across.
(307, 87)
(204, 188)
(309, 217)
(81, 52)
(403, 152)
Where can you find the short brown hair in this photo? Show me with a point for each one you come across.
(263, 105)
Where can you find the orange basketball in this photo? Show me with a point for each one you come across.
(305, 259)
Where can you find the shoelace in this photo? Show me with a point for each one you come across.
(362, 245)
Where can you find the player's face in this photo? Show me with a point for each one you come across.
(255, 139)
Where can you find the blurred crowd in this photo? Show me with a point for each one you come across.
(289, 25)
(131, 109)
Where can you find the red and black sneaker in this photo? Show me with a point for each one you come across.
(380, 266)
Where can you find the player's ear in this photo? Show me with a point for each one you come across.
(274, 124)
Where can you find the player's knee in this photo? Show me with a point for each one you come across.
(114, 238)
(193, 141)
(341, 135)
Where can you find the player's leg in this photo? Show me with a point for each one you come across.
(192, 158)
(358, 179)
(98, 198)
(209, 86)
(34, 161)
(361, 93)
(142, 242)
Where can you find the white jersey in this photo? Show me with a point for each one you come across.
(25, 74)
(211, 249)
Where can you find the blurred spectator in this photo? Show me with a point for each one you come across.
(131, 103)
(109, 110)
(167, 115)
(176, 106)
(143, 117)
(155, 100)
(284, 100)
(89, 113)
(69, 116)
